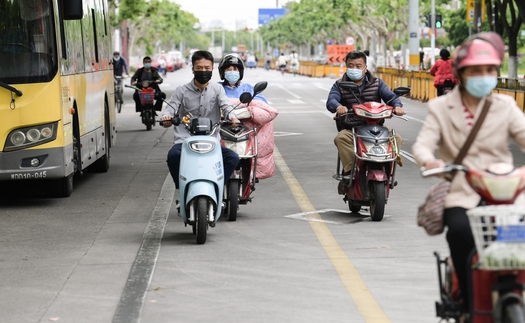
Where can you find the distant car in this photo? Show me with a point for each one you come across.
(165, 60)
(321, 59)
(177, 58)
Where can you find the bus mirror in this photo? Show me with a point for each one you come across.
(72, 9)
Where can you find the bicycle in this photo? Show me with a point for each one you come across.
(119, 98)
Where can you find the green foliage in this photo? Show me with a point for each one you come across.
(147, 17)
(457, 27)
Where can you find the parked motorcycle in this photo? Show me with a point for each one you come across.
(201, 180)
(496, 276)
(376, 153)
(243, 140)
(119, 97)
(147, 100)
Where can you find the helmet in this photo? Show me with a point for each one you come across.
(229, 60)
(483, 49)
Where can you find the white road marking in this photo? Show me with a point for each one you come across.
(284, 134)
(296, 101)
(289, 92)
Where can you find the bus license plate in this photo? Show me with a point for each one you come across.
(29, 175)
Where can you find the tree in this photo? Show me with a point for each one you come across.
(153, 22)
(512, 20)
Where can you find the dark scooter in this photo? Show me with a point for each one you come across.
(147, 101)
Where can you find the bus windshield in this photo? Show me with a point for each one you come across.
(27, 41)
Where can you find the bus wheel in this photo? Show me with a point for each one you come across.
(102, 164)
(63, 187)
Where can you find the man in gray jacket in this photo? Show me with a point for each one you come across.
(199, 98)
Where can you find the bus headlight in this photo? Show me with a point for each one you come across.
(18, 138)
(31, 136)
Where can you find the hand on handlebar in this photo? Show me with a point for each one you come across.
(167, 121)
(235, 122)
(435, 163)
(341, 110)
(399, 111)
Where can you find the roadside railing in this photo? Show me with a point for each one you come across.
(421, 82)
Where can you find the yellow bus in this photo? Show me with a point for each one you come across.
(57, 114)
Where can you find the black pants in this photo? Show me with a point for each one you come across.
(461, 243)
(159, 98)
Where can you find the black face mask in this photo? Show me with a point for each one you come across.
(202, 76)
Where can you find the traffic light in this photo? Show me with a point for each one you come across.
(427, 20)
(439, 23)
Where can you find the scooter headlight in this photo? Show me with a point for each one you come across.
(201, 147)
(376, 151)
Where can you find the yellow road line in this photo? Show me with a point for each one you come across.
(356, 287)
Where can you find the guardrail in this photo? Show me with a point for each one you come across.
(421, 82)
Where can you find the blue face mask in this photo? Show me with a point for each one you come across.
(354, 74)
(480, 86)
(232, 76)
(147, 65)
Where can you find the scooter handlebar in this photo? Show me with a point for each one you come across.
(449, 168)
(173, 121)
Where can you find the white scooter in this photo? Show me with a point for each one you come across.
(201, 175)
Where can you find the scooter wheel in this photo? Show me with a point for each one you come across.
(201, 219)
(377, 200)
(232, 202)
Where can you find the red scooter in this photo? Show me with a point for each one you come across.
(496, 278)
(376, 153)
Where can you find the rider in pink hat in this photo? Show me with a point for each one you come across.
(448, 124)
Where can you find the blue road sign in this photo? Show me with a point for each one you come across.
(268, 15)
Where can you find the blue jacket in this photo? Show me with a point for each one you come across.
(235, 92)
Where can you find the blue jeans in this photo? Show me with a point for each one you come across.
(230, 159)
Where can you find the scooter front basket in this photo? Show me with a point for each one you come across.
(499, 234)
(147, 95)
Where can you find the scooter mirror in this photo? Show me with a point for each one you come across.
(348, 86)
(259, 87)
(401, 90)
(246, 97)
